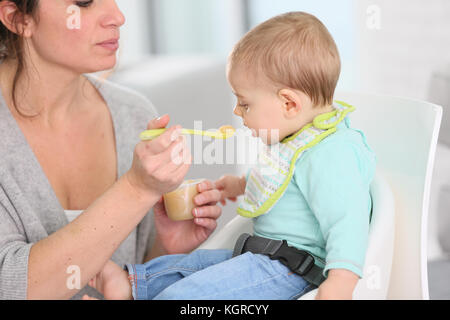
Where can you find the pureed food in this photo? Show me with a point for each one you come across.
(180, 202)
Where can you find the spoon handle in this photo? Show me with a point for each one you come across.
(152, 134)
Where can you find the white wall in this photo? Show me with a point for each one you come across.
(413, 40)
(135, 33)
(400, 58)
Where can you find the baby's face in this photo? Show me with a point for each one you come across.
(259, 107)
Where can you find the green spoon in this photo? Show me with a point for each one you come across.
(224, 132)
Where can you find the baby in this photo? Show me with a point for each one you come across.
(315, 197)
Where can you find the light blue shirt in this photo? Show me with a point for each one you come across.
(327, 205)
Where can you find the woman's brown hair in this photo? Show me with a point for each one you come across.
(11, 44)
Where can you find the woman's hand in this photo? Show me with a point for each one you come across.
(230, 187)
(185, 236)
(160, 165)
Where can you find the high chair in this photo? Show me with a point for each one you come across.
(403, 133)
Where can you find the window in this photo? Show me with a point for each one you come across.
(135, 33)
(180, 27)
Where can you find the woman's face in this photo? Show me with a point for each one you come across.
(70, 34)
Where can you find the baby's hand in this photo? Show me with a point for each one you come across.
(230, 187)
(112, 282)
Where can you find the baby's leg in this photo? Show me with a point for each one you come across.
(149, 279)
(248, 276)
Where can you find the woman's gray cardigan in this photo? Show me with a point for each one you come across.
(29, 208)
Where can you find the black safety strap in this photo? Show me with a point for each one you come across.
(298, 261)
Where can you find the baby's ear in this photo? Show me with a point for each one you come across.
(292, 103)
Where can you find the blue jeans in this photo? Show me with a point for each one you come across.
(215, 275)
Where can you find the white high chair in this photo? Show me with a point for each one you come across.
(403, 133)
(378, 263)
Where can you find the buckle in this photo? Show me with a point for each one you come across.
(298, 261)
(305, 265)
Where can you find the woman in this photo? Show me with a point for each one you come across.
(67, 143)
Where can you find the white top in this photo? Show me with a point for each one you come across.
(72, 214)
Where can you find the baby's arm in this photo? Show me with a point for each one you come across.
(112, 282)
(231, 187)
(335, 181)
(339, 285)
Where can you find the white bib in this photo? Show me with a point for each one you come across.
(269, 179)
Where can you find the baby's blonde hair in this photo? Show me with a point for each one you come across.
(293, 50)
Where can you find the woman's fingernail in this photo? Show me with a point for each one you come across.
(159, 118)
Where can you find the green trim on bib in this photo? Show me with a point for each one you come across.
(257, 203)
(275, 196)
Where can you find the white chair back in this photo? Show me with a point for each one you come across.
(380, 251)
(403, 133)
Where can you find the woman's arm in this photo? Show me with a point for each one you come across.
(90, 240)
